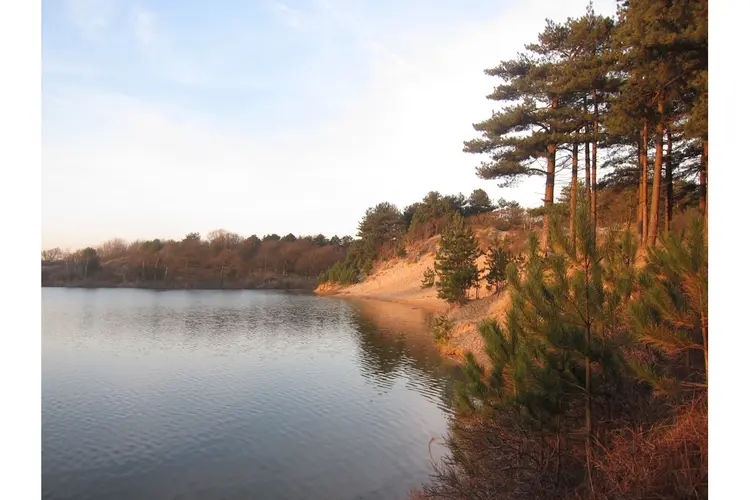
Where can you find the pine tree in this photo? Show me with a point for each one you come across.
(565, 318)
(428, 278)
(664, 50)
(542, 119)
(479, 202)
(381, 223)
(497, 262)
(671, 314)
(429, 212)
(568, 196)
(587, 66)
(455, 261)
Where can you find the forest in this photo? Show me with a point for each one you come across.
(597, 382)
(220, 260)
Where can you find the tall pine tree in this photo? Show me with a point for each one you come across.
(663, 48)
(535, 121)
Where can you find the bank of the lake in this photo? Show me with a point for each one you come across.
(399, 281)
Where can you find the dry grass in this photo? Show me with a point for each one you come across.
(670, 460)
(496, 457)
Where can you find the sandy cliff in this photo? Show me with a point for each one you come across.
(399, 280)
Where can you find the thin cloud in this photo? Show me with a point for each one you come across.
(55, 67)
(91, 17)
(288, 15)
(359, 31)
(174, 65)
(144, 27)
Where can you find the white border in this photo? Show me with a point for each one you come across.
(728, 269)
(20, 202)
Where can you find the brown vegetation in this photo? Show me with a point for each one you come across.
(223, 260)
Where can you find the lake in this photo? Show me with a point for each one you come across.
(237, 395)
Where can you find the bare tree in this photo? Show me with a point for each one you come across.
(52, 255)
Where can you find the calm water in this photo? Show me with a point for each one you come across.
(236, 395)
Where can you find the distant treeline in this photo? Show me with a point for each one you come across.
(221, 260)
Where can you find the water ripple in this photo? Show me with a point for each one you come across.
(233, 395)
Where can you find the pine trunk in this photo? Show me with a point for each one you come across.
(549, 192)
(593, 162)
(703, 188)
(574, 195)
(587, 166)
(669, 198)
(644, 183)
(549, 188)
(587, 156)
(653, 223)
(641, 194)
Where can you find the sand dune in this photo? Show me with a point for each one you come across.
(399, 280)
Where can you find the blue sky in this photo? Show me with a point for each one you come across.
(165, 117)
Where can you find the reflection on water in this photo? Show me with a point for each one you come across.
(236, 394)
(397, 343)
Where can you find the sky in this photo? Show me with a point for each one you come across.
(161, 118)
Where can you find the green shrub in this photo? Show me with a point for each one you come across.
(367, 268)
(442, 327)
(497, 262)
(455, 261)
(428, 278)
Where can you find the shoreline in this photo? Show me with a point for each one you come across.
(463, 338)
(426, 304)
(399, 280)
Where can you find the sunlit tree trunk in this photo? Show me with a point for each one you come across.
(653, 223)
(549, 188)
(573, 194)
(593, 162)
(644, 183)
(703, 188)
(669, 199)
(587, 166)
(587, 157)
(641, 195)
(549, 192)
